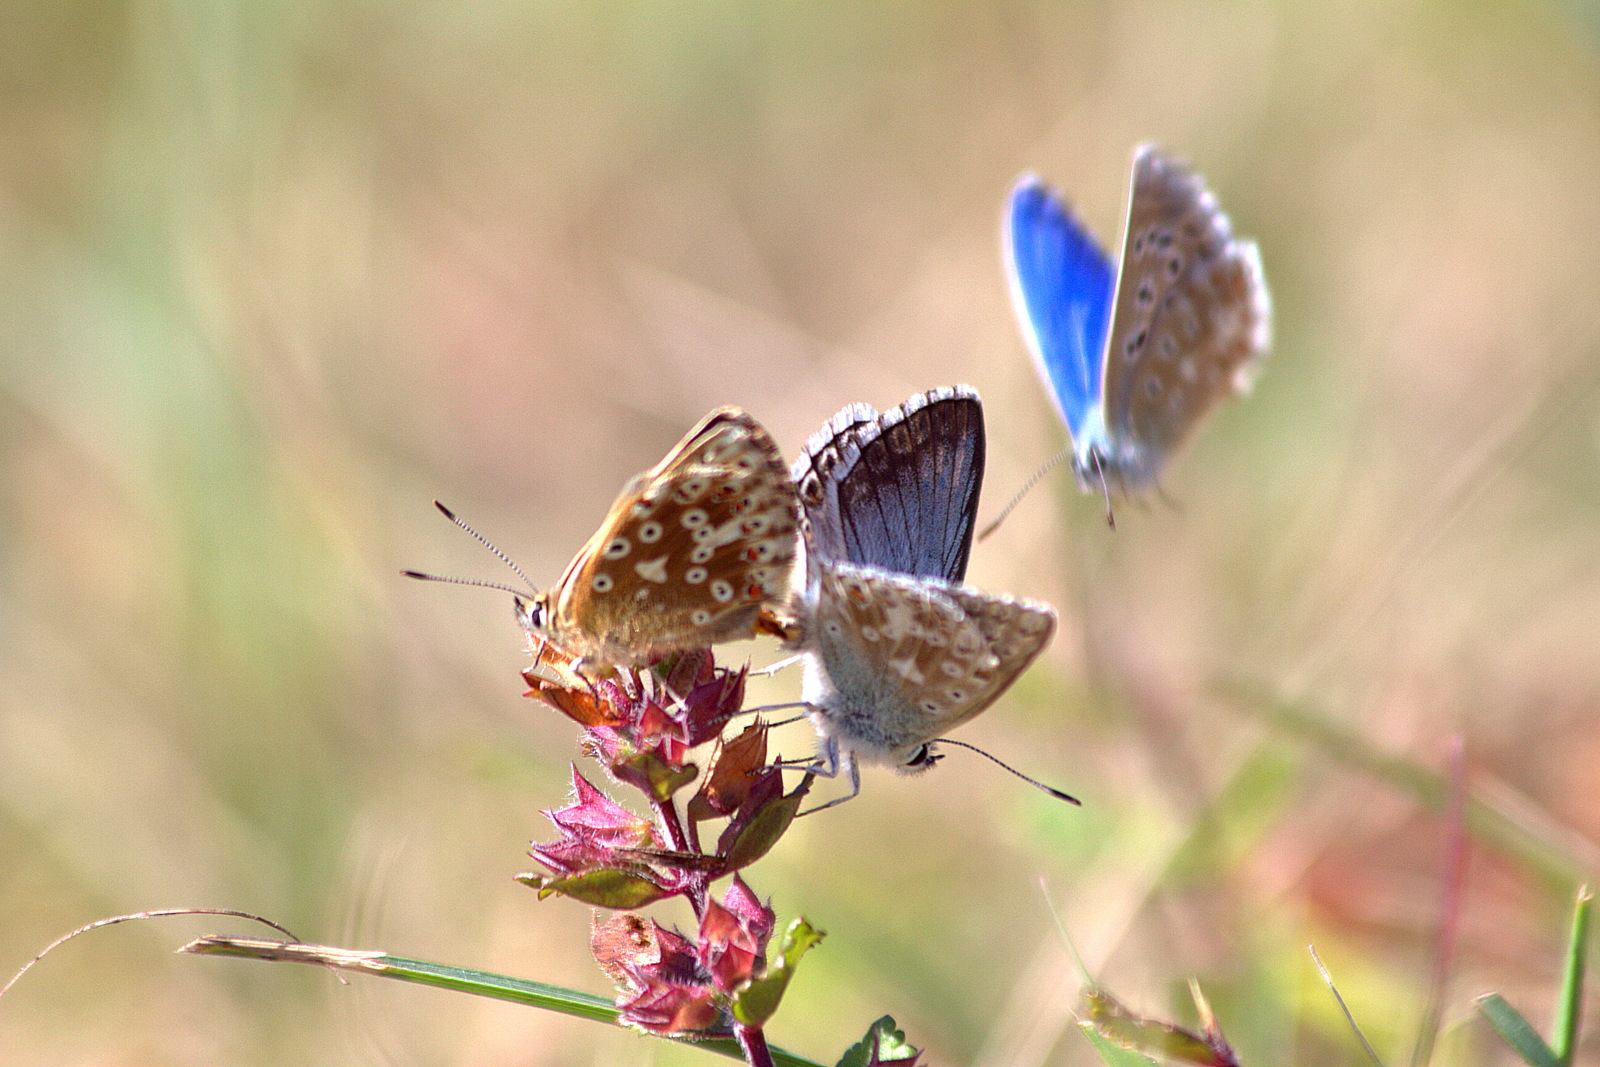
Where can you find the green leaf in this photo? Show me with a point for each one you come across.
(756, 1000)
(1112, 1053)
(460, 979)
(623, 890)
(655, 775)
(1516, 1031)
(1569, 1008)
(1112, 1020)
(883, 1038)
(765, 828)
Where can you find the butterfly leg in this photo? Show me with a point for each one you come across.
(778, 707)
(1099, 464)
(771, 669)
(829, 765)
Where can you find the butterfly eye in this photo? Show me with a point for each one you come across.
(921, 757)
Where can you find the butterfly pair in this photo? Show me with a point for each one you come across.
(897, 651)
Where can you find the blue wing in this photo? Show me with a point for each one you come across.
(1062, 285)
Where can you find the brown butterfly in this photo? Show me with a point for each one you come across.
(687, 557)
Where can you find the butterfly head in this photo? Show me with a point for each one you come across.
(533, 613)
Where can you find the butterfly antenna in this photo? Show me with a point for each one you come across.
(1058, 794)
(486, 543)
(1032, 481)
(424, 576)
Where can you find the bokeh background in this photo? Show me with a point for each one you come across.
(275, 275)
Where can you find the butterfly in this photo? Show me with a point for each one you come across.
(689, 555)
(894, 658)
(1135, 359)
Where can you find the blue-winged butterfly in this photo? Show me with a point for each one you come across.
(1135, 358)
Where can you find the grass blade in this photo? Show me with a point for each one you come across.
(1113, 1053)
(1327, 980)
(461, 979)
(1516, 1031)
(1570, 1007)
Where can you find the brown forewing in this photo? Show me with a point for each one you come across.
(689, 553)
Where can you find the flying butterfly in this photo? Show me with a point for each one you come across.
(1135, 358)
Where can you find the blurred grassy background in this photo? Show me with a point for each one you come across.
(277, 274)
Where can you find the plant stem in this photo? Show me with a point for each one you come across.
(753, 1042)
(672, 826)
